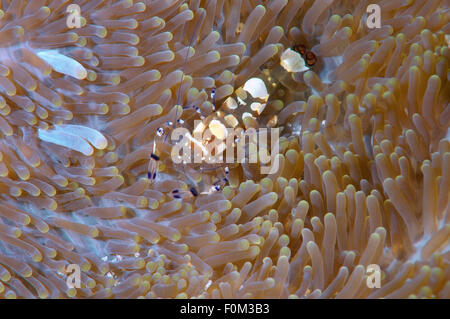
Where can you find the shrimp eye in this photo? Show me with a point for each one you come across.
(180, 121)
(160, 131)
(217, 188)
(311, 58)
(169, 123)
(300, 48)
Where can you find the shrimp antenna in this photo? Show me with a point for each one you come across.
(191, 42)
(153, 164)
(178, 94)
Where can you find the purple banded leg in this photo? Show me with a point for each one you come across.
(221, 182)
(192, 192)
(153, 167)
(213, 98)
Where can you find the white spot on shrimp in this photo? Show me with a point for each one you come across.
(257, 88)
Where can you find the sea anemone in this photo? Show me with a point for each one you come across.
(364, 155)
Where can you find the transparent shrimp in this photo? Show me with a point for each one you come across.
(170, 125)
(162, 136)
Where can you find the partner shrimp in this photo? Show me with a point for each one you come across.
(161, 142)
